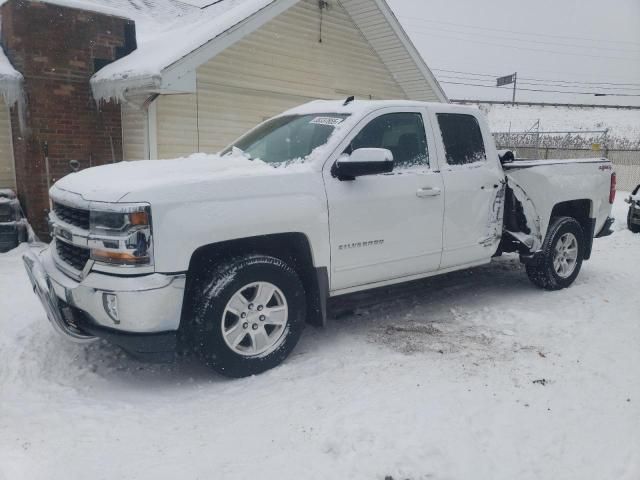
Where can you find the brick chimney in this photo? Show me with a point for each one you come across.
(57, 50)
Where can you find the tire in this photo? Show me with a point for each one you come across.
(237, 330)
(543, 271)
(635, 228)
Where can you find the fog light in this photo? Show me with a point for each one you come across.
(110, 304)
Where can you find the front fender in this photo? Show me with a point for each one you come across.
(289, 203)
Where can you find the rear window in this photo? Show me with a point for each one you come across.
(462, 138)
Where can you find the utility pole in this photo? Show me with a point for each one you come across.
(515, 80)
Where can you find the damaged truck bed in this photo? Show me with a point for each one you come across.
(540, 190)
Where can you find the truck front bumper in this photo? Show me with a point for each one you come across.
(141, 314)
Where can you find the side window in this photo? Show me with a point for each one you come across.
(462, 138)
(402, 133)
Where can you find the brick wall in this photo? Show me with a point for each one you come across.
(55, 48)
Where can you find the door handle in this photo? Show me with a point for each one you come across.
(428, 192)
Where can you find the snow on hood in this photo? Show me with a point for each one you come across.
(110, 183)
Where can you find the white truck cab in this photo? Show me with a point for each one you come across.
(230, 255)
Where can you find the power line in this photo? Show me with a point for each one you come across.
(600, 87)
(495, 75)
(555, 52)
(582, 82)
(548, 91)
(538, 83)
(520, 32)
(492, 75)
(540, 42)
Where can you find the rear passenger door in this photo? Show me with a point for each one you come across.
(473, 182)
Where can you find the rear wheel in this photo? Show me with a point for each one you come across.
(248, 315)
(558, 263)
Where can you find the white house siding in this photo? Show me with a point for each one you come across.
(281, 65)
(176, 118)
(134, 133)
(7, 166)
(402, 60)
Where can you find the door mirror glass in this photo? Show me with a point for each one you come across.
(364, 161)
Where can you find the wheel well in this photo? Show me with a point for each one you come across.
(293, 248)
(581, 211)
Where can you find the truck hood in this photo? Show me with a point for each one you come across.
(114, 182)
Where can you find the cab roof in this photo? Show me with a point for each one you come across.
(363, 107)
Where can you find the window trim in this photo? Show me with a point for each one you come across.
(431, 166)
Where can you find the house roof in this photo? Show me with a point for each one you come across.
(170, 48)
(144, 11)
(176, 36)
(162, 43)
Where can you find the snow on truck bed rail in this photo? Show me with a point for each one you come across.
(560, 161)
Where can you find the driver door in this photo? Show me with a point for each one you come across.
(388, 226)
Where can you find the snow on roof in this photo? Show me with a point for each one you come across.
(170, 30)
(151, 17)
(146, 12)
(10, 81)
(161, 43)
(165, 41)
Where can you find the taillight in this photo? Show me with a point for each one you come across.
(612, 189)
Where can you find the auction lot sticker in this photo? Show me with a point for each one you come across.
(331, 121)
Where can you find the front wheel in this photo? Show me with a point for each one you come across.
(558, 263)
(248, 315)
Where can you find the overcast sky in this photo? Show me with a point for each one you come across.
(552, 44)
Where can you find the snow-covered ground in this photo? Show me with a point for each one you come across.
(473, 375)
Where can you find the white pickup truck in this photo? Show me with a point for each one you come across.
(230, 255)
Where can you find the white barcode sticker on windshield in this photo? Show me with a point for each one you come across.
(332, 121)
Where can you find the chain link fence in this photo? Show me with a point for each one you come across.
(624, 154)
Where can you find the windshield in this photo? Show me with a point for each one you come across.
(288, 138)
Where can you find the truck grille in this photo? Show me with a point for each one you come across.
(74, 255)
(73, 216)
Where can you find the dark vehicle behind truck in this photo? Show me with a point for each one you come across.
(13, 226)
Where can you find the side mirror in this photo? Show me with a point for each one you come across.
(364, 161)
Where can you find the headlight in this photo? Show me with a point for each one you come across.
(121, 234)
